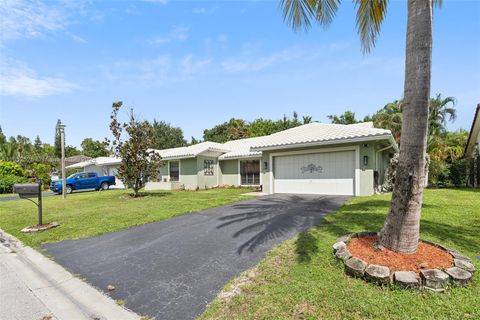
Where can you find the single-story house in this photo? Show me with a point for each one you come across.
(103, 166)
(472, 152)
(314, 158)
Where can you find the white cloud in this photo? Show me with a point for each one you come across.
(178, 33)
(17, 79)
(159, 70)
(204, 10)
(156, 1)
(253, 64)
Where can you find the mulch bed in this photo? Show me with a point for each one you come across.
(426, 257)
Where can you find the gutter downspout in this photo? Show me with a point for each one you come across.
(392, 145)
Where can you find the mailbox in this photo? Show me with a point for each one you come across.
(27, 190)
(31, 190)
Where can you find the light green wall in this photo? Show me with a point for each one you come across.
(203, 180)
(229, 172)
(188, 173)
(366, 172)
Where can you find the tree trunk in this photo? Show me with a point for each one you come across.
(402, 225)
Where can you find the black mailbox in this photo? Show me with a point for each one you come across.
(31, 190)
(27, 190)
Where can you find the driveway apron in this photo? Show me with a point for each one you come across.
(172, 269)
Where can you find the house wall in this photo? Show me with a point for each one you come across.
(93, 168)
(189, 173)
(203, 180)
(365, 171)
(229, 172)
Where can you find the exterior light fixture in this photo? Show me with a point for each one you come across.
(365, 160)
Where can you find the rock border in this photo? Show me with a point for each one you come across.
(37, 228)
(435, 280)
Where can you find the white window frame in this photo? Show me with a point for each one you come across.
(179, 170)
(239, 175)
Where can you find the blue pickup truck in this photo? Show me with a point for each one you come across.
(83, 180)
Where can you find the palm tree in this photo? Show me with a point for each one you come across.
(402, 225)
(440, 113)
(390, 117)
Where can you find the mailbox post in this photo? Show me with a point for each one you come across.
(31, 190)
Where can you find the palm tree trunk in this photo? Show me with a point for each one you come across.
(402, 225)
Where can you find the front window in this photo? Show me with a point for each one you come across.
(250, 172)
(208, 167)
(174, 171)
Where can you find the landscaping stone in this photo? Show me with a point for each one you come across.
(343, 254)
(459, 276)
(378, 274)
(355, 267)
(345, 238)
(338, 246)
(406, 279)
(464, 264)
(458, 255)
(434, 279)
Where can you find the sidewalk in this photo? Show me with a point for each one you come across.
(33, 287)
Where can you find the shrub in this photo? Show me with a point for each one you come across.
(42, 171)
(8, 180)
(11, 168)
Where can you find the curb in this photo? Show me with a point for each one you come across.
(65, 295)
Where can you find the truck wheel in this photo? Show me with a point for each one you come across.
(104, 186)
(69, 189)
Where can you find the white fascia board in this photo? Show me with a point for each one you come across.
(323, 143)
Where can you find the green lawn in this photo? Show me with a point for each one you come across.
(91, 213)
(300, 279)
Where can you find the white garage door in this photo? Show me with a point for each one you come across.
(315, 173)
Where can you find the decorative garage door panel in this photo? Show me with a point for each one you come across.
(315, 173)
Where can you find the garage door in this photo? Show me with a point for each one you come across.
(315, 173)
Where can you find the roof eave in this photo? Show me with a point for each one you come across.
(329, 142)
(475, 123)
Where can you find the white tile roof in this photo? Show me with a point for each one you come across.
(312, 133)
(318, 133)
(241, 148)
(100, 161)
(192, 151)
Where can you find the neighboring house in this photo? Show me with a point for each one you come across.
(472, 152)
(76, 159)
(314, 158)
(103, 166)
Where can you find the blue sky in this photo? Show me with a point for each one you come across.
(199, 63)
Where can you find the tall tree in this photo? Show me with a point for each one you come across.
(3, 139)
(167, 136)
(94, 148)
(348, 117)
(234, 129)
(58, 140)
(402, 225)
(138, 162)
(441, 110)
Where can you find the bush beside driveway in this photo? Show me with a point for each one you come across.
(300, 279)
(88, 214)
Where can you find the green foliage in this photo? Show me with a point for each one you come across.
(348, 117)
(300, 278)
(166, 136)
(138, 162)
(11, 168)
(94, 148)
(42, 171)
(3, 139)
(71, 151)
(89, 214)
(8, 180)
(235, 129)
(58, 140)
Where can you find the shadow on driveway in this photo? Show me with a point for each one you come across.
(172, 269)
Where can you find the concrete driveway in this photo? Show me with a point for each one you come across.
(172, 269)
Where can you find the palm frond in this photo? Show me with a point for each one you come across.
(301, 13)
(438, 3)
(298, 13)
(370, 14)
